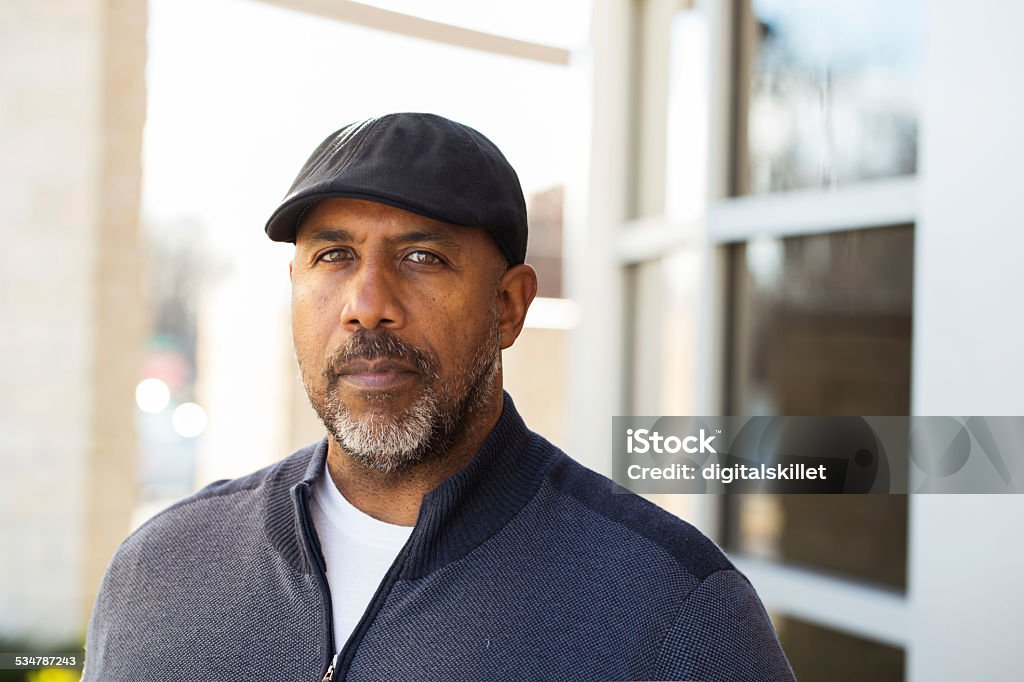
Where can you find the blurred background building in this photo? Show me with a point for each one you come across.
(737, 207)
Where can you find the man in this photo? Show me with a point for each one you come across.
(431, 535)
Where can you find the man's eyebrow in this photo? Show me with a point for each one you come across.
(429, 235)
(329, 234)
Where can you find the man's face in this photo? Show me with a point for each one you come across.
(396, 320)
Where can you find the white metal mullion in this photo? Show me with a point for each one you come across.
(412, 26)
(862, 205)
(874, 613)
(875, 204)
(649, 239)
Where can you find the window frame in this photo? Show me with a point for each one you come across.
(845, 604)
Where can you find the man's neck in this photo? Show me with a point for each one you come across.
(396, 497)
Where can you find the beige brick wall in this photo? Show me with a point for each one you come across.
(121, 324)
(69, 197)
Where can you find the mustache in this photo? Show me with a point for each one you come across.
(379, 344)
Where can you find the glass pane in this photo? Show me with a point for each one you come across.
(822, 654)
(665, 297)
(544, 208)
(822, 326)
(826, 92)
(665, 303)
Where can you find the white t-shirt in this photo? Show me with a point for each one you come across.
(358, 550)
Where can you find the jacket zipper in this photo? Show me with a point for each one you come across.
(329, 675)
(343, 661)
(338, 665)
(302, 493)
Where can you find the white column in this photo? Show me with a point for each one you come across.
(966, 556)
(593, 278)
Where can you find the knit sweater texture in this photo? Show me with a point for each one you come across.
(524, 565)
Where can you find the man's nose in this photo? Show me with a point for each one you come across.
(371, 299)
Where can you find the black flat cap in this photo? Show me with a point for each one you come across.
(421, 163)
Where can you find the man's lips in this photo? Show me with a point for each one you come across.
(376, 374)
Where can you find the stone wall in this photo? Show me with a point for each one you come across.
(71, 77)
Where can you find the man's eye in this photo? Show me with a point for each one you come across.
(424, 258)
(334, 256)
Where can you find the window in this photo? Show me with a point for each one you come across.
(822, 326)
(826, 93)
(777, 279)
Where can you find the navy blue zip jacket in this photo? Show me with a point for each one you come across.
(524, 565)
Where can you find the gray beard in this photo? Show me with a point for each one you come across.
(428, 428)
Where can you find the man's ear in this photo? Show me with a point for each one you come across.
(516, 290)
(291, 273)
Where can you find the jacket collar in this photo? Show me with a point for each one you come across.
(456, 517)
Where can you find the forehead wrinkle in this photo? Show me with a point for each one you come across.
(431, 235)
(427, 235)
(319, 235)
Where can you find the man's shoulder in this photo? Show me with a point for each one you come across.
(637, 520)
(189, 566)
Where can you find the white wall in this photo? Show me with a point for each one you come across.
(966, 591)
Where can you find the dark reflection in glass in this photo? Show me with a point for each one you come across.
(822, 326)
(822, 654)
(826, 92)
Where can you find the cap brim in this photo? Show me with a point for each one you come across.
(284, 222)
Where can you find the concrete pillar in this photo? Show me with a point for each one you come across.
(71, 122)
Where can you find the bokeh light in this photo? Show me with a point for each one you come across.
(189, 420)
(152, 395)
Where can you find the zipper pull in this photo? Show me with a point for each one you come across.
(329, 675)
